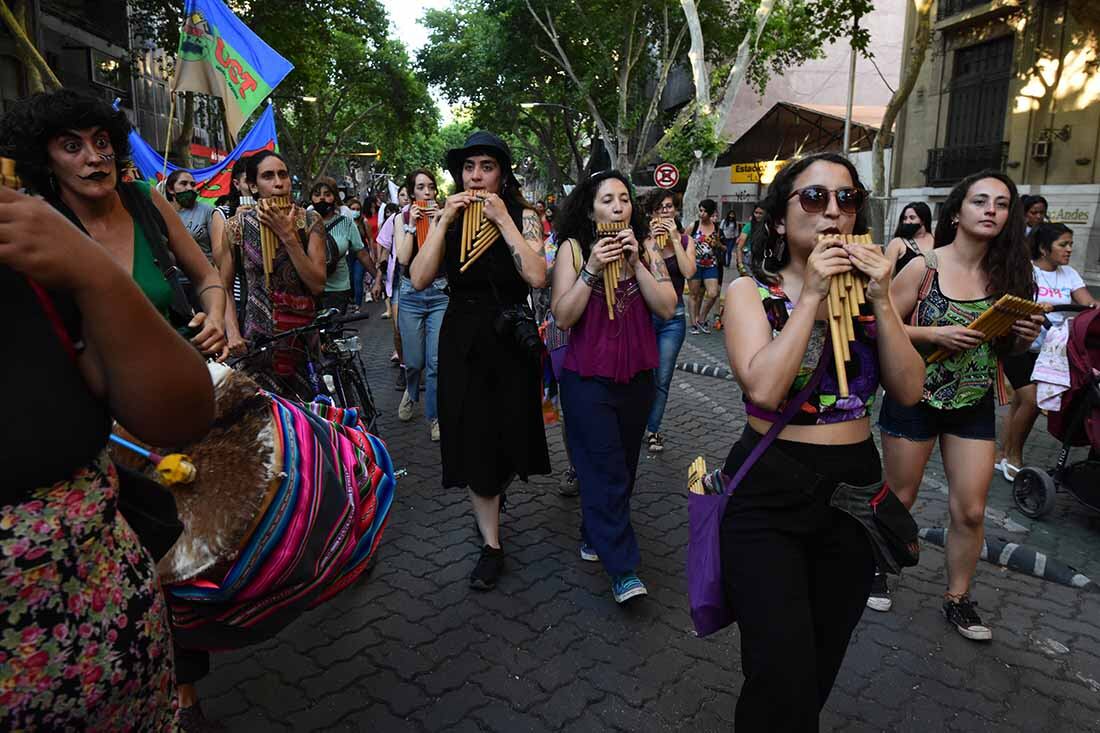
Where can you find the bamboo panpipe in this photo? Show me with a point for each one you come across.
(422, 223)
(997, 321)
(611, 270)
(269, 242)
(696, 471)
(8, 178)
(846, 294)
(662, 238)
(478, 233)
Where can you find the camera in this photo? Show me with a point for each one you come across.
(517, 322)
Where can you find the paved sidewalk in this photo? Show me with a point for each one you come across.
(413, 649)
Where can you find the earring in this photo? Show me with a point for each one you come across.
(954, 221)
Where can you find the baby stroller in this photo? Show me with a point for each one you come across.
(1076, 424)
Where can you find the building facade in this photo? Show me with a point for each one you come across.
(1012, 85)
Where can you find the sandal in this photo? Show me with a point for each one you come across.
(1009, 471)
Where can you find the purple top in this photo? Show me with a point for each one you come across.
(618, 349)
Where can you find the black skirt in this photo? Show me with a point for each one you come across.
(490, 402)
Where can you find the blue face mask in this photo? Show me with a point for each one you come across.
(355, 213)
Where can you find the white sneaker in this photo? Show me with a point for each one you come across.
(405, 409)
(434, 431)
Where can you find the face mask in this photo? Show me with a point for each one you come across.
(908, 231)
(355, 213)
(324, 208)
(187, 199)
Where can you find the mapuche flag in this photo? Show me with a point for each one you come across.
(220, 56)
(213, 181)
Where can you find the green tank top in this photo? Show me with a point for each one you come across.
(144, 270)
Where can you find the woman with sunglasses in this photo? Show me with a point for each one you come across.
(796, 570)
(679, 259)
(980, 255)
(607, 378)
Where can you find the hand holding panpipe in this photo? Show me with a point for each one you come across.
(478, 233)
(269, 240)
(997, 321)
(613, 269)
(661, 236)
(846, 295)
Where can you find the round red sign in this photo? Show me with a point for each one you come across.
(666, 175)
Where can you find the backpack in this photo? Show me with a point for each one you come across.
(332, 249)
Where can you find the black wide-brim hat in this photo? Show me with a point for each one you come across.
(480, 143)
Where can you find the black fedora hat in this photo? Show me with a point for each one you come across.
(480, 143)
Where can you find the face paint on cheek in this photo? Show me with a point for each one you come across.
(106, 157)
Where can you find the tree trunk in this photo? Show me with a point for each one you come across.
(39, 73)
(701, 172)
(918, 49)
(181, 145)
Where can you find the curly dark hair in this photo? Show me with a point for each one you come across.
(573, 219)
(27, 127)
(768, 258)
(1006, 263)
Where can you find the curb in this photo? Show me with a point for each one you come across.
(1021, 558)
(705, 370)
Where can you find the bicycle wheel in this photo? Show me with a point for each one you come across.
(354, 391)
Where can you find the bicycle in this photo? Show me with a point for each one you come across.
(332, 363)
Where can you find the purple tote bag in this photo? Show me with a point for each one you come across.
(710, 610)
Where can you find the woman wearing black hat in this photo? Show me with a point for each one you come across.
(490, 416)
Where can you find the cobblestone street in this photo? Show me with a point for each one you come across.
(411, 648)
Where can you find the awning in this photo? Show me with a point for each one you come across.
(788, 130)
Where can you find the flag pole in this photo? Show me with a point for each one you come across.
(168, 137)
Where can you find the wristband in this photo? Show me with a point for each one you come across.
(588, 278)
(209, 287)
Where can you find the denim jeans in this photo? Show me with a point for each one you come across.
(355, 267)
(419, 319)
(604, 430)
(670, 337)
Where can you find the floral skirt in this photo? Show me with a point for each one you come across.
(84, 639)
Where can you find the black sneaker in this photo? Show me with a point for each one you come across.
(192, 720)
(879, 600)
(567, 485)
(400, 384)
(488, 569)
(965, 619)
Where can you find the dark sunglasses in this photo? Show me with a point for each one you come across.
(815, 199)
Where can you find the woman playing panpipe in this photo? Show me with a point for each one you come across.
(490, 411)
(980, 255)
(421, 312)
(679, 256)
(70, 148)
(607, 383)
(796, 569)
(85, 642)
(283, 253)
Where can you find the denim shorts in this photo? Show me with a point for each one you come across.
(706, 273)
(922, 422)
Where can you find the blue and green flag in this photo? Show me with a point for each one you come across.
(220, 56)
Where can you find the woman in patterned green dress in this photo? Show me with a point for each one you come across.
(980, 255)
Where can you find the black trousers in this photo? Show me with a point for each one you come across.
(797, 573)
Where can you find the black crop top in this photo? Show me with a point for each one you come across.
(52, 424)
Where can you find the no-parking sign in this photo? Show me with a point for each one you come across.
(666, 175)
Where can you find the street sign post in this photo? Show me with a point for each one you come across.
(666, 175)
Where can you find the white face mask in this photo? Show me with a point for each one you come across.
(355, 213)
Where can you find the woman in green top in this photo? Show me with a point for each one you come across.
(71, 148)
(980, 255)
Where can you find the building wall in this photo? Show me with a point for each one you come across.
(825, 80)
(1054, 92)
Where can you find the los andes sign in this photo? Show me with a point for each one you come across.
(666, 175)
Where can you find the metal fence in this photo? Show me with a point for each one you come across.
(948, 166)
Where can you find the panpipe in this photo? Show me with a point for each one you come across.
(8, 178)
(662, 238)
(422, 223)
(997, 321)
(477, 231)
(268, 239)
(846, 295)
(611, 270)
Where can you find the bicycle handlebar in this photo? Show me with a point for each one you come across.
(320, 324)
(1070, 308)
